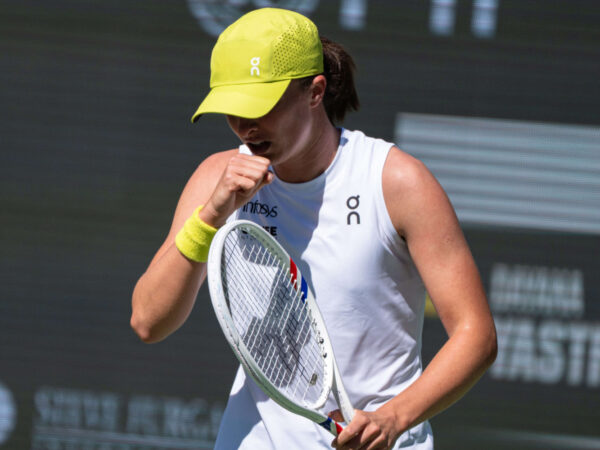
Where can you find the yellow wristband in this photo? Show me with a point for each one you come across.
(194, 239)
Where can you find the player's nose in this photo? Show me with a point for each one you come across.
(242, 126)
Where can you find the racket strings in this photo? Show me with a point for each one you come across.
(298, 333)
(272, 318)
(285, 315)
(281, 357)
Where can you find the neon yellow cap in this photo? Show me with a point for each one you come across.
(255, 59)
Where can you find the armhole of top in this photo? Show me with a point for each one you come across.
(388, 233)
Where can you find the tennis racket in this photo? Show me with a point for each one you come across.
(271, 320)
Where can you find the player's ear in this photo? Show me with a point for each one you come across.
(317, 90)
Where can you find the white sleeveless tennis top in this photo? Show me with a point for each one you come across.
(337, 229)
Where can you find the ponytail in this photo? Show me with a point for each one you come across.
(340, 95)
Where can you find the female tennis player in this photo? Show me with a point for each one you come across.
(368, 225)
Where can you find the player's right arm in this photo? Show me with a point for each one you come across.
(165, 294)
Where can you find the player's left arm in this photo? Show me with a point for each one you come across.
(424, 217)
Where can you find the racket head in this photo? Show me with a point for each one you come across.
(264, 305)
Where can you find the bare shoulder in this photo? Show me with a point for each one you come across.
(412, 194)
(402, 170)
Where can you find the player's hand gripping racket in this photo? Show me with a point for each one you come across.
(272, 322)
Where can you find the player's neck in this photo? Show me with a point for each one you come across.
(314, 159)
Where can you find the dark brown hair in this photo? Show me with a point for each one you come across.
(340, 94)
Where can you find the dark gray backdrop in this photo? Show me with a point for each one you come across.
(96, 145)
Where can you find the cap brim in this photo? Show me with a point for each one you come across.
(242, 100)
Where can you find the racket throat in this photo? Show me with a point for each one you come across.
(332, 426)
